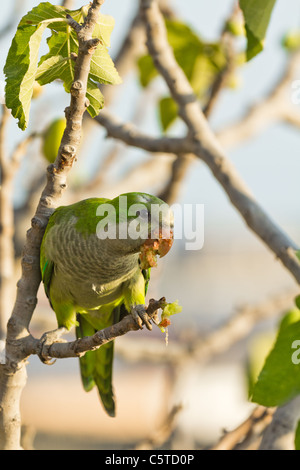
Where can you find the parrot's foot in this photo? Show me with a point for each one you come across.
(46, 341)
(141, 316)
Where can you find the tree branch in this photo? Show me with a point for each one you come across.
(204, 348)
(280, 434)
(206, 146)
(252, 427)
(80, 346)
(129, 134)
(9, 167)
(13, 372)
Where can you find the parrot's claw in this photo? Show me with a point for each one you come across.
(46, 341)
(141, 316)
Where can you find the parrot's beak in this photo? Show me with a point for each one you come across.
(156, 245)
(165, 243)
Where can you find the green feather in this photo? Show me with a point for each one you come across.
(96, 367)
(72, 261)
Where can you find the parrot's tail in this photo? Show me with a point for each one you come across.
(96, 367)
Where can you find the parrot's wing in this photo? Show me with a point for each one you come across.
(46, 264)
(47, 268)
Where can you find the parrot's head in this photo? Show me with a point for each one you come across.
(148, 222)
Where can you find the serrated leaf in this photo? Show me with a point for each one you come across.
(102, 67)
(60, 67)
(279, 380)
(104, 28)
(95, 98)
(20, 71)
(22, 59)
(257, 15)
(44, 12)
(52, 68)
(57, 62)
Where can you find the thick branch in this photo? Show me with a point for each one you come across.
(9, 167)
(13, 374)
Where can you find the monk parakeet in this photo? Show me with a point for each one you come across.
(96, 257)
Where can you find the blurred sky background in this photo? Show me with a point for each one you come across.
(234, 267)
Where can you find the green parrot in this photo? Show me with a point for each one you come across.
(96, 257)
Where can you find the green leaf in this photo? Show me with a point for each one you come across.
(22, 59)
(102, 67)
(168, 111)
(95, 98)
(191, 53)
(104, 28)
(257, 14)
(22, 67)
(258, 349)
(57, 63)
(297, 437)
(147, 70)
(199, 60)
(20, 70)
(45, 12)
(279, 380)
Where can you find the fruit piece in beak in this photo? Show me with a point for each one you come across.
(153, 247)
